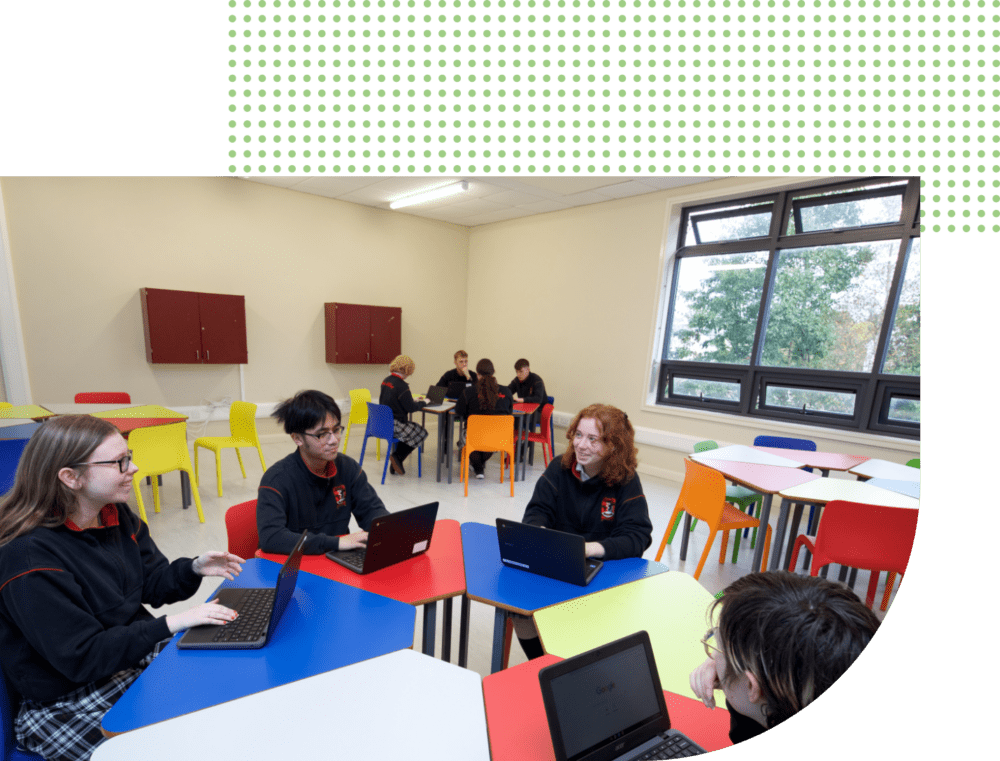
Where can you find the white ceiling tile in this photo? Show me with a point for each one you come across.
(540, 207)
(569, 185)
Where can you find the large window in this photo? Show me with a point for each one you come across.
(800, 305)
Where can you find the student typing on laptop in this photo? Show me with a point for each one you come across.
(781, 641)
(592, 490)
(76, 567)
(315, 488)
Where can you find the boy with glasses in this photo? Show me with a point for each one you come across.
(315, 488)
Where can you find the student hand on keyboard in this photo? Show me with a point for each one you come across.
(353, 541)
(206, 613)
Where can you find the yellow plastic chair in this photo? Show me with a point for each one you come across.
(157, 450)
(5, 405)
(489, 433)
(243, 433)
(359, 414)
(703, 496)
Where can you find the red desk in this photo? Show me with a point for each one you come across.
(438, 574)
(825, 461)
(515, 715)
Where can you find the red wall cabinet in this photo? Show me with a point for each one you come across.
(185, 327)
(362, 335)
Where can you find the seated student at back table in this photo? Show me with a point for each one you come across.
(315, 488)
(592, 490)
(530, 388)
(396, 396)
(487, 397)
(76, 567)
(460, 373)
(781, 641)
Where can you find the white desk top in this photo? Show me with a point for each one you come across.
(886, 469)
(741, 453)
(438, 408)
(401, 705)
(827, 489)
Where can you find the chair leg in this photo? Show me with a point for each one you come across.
(890, 579)
(156, 496)
(673, 529)
(218, 469)
(195, 463)
(767, 549)
(138, 499)
(736, 544)
(510, 474)
(675, 520)
(197, 499)
(725, 544)
(364, 443)
(240, 458)
(347, 435)
(260, 453)
(704, 555)
(385, 468)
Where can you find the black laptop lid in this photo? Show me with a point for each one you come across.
(602, 703)
(287, 577)
(545, 551)
(456, 388)
(400, 536)
(436, 394)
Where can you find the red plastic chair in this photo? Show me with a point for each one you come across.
(241, 529)
(544, 436)
(102, 397)
(862, 536)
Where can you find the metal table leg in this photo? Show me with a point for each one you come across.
(765, 514)
(463, 633)
(499, 631)
(430, 619)
(685, 530)
(446, 631)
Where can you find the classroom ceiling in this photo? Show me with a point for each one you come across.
(488, 199)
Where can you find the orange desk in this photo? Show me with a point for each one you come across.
(519, 731)
(438, 574)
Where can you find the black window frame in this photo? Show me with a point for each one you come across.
(875, 390)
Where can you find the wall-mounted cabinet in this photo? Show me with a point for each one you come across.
(357, 334)
(187, 327)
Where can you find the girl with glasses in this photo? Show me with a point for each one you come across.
(76, 567)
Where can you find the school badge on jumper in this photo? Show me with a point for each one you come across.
(608, 509)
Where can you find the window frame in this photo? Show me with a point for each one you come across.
(874, 390)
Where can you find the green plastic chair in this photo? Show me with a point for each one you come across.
(741, 496)
(914, 463)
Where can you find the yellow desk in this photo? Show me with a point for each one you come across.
(25, 412)
(672, 607)
(151, 411)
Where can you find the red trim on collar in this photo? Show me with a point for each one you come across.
(330, 466)
(108, 518)
(331, 469)
(397, 375)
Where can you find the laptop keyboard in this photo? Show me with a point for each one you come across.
(354, 557)
(253, 618)
(675, 746)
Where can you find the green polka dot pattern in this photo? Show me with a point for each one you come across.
(625, 87)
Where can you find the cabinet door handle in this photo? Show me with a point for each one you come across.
(197, 354)
(206, 355)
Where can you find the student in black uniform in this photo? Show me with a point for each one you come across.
(530, 388)
(315, 487)
(487, 397)
(396, 395)
(592, 490)
(76, 566)
(781, 641)
(461, 371)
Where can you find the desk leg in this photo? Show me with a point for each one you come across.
(185, 490)
(765, 514)
(854, 577)
(463, 633)
(430, 619)
(793, 534)
(778, 537)
(446, 631)
(499, 631)
(442, 442)
(685, 530)
(450, 433)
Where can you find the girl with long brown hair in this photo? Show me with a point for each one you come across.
(487, 397)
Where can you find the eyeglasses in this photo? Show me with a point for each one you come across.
(122, 462)
(709, 648)
(326, 435)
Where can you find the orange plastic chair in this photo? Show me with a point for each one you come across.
(157, 450)
(489, 433)
(703, 496)
(243, 433)
(862, 536)
(102, 397)
(544, 436)
(241, 529)
(360, 397)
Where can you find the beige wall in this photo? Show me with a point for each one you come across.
(83, 247)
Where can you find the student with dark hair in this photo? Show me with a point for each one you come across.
(315, 488)
(396, 396)
(592, 490)
(76, 567)
(487, 397)
(461, 372)
(528, 387)
(781, 641)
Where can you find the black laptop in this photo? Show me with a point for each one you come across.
(607, 705)
(545, 551)
(456, 389)
(392, 539)
(436, 395)
(259, 610)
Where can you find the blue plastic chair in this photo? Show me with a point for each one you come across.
(380, 426)
(10, 455)
(9, 747)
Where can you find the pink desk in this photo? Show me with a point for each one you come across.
(438, 574)
(767, 480)
(825, 461)
(519, 731)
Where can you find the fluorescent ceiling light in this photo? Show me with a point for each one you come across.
(430, 195)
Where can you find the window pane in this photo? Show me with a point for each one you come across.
(903, 356)
(719, 390)
(734, 223)
(715, 314)
(841, 403)
(827, 306)
(850, 209)
(904, 410)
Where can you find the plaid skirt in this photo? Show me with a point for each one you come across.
(409, 432)
(69, 728)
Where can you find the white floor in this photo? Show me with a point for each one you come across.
(177, 532)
